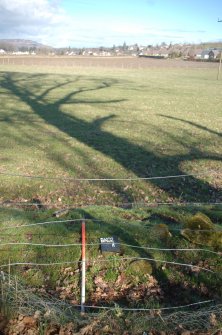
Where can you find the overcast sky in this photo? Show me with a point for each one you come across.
(107, 22)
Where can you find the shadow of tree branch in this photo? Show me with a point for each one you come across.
(134, 158)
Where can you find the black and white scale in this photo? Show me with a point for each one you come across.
(109, 244)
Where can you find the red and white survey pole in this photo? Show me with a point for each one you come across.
(83, 286)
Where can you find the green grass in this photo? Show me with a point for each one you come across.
(87, 123)
(110, 124)
(137, 230)
(178, 284)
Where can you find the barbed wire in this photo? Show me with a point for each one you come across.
(10, 174)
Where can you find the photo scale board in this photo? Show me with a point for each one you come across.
(109, 244)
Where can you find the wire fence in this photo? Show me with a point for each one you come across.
(129, 204)
(196, 315)
(136, 204)
(68, 245)
(108, 261)
(193, 267)
(98, 245)
(149, 309)
(55, 305)
(125, 223)
(11, 174)
(14, 293)
(20, 293)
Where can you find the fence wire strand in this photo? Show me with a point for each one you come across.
(206, 173)
(88, 261)
(151, 225)
(98, 244)
(118, 204)
(48, 222)
(147, 309)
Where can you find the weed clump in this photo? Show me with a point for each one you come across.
(140, 267)
(200, 229)
(162, 231)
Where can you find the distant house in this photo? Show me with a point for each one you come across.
(2, 52)
(104, 54)
(192, 53)
(217, 53)
(197, 53)
(162, 52)
(210, 54)
(20, 53)
(71, 53)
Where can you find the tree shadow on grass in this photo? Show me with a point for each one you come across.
(134, 158)
(194, 124)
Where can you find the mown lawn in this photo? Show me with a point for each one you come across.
(102, 123)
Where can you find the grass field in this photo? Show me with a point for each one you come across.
(109, 122)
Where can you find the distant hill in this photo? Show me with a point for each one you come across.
(211, 45)
(18, 44)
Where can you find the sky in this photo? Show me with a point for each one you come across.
(94, 23)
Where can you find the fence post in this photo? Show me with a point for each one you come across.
(83, 281)
(219, 67)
